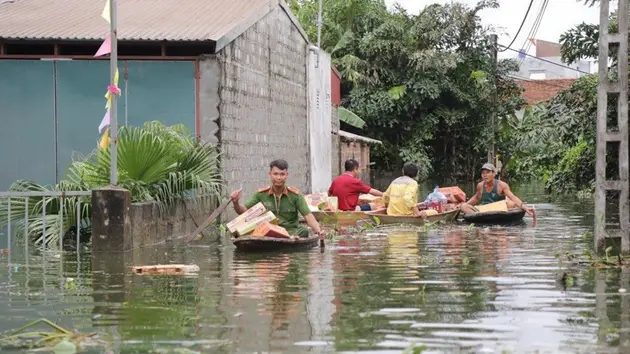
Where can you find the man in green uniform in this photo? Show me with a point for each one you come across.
(283, 201)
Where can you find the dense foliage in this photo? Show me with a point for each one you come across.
(424, 84)
(155, 162)
(556, 140)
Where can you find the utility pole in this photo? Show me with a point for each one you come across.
(605, 89)
(493, 113)
(113, 110)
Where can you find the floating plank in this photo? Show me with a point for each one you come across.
(166, 269)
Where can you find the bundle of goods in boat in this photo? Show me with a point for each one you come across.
(454, 195)
(269, 230)
(321, 202)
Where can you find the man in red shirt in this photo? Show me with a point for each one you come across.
(348, 187)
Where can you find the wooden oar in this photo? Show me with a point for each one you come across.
(210, 219)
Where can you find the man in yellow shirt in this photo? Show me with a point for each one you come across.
(402, 195)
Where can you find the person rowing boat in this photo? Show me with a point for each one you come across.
(284, 201)
(491, 190)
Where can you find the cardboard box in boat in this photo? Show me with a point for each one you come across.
(269, 230)
(496, 206)
(249, 226)
(321, 201)
(251, 213)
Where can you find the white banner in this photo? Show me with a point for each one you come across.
(319, 119)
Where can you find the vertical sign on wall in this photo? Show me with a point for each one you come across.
(320, 120)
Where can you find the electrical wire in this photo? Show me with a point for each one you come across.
(546, 61)
(527, 43)
(521, 26)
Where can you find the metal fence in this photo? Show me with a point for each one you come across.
(11, 198)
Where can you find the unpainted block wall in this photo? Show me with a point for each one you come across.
(150, 226)
(261, 111)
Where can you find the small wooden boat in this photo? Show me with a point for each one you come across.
(385, 219)
(340, 218)
(266, 244)
(495, 217)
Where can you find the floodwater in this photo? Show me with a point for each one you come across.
(452, 289)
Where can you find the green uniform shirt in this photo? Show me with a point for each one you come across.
(285, 208)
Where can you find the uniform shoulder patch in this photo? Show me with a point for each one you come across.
(264, 189)
(293, 190)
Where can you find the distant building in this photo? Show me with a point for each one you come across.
(546, 64)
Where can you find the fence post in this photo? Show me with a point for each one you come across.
(111, 220)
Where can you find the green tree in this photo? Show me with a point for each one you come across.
(424, 84)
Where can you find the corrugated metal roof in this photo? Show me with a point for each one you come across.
(146, 20)
(353, 137)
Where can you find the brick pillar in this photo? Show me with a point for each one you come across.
(111, 220)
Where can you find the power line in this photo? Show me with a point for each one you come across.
(527, 44)
(522, 23)
(546, 61)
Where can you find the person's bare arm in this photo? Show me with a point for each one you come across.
(313, 224)
(505, 188)
(376, 192)
(477, 197)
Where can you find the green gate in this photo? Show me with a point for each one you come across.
(50, 110)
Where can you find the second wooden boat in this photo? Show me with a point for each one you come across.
(495, 217)
(266, 244)
(340, 218)
(385, 219)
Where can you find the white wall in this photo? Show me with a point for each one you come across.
(319, 120)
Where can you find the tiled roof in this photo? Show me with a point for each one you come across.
(142, 20)
(543, 90)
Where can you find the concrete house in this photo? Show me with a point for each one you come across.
(235, 72)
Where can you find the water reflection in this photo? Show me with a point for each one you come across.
(454, 289)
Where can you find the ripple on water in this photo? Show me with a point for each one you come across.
(452, 289)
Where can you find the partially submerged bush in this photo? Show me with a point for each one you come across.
(157, 163)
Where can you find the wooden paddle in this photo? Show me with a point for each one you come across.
(210, 219)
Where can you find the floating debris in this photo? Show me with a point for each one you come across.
(166, 269)
(60, 340)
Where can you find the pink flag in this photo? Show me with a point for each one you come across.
(105, 48)
(104, 122)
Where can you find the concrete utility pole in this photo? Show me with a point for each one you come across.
(319, 25)
(606, 88)
(493, 114)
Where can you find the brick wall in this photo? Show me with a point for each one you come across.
(543, 90)
(358, 151)
(261, 113)
(335, 142)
